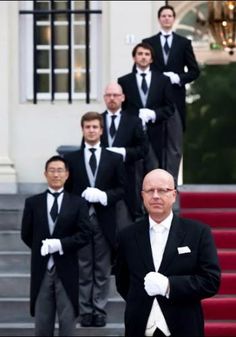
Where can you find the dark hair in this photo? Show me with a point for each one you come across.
(56, 158)
(166, 7)
(90, 116)
(143, 45)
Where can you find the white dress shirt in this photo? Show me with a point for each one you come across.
(116, 122)
(51, 223)
(50, 201)
(87, 155)
(158, 237)
(169, 41)
(139, 79)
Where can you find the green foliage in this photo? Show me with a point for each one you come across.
(210, 139)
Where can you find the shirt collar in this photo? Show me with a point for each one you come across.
(89, 146)
(167, 33)
(117, 113)
(53, 191)
(166, 223)
(140, 71)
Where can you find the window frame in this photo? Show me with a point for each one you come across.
(28, 82)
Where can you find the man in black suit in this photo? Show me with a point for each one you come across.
(123, 133)
(173, 56)
(165, 266)
(55, 225)
(148, 95)
(99, 176)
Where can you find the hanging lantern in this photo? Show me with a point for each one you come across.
(222, 23)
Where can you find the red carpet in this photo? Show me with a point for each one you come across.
(219, 211)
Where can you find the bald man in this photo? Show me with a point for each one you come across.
(123, 133)
(165, 266)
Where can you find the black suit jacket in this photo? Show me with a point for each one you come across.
(129, 135)
(160, 99)
(110, 179)
(181, 56)
(73, 230)
(192, 276)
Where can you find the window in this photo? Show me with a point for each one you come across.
(59, 49)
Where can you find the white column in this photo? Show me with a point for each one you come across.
(7, 170)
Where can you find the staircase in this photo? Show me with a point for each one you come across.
(15, 319)
(217, 209)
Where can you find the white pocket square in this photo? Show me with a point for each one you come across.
(184, 250)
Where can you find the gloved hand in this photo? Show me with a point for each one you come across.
(147, 115)
(93, 194)
(120, 150)
(156, 284)
(174, 78)
(50, 246)
(44, 248)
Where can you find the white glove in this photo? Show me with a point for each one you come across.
(174, 78)
(93, 194)
(50, 246)
(120, 150)
(147, 115)
(156, 284)
(44, 248)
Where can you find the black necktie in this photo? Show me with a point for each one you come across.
(144, 83)
(93, 160)
(112, 127)
(166, 46)
(54, 209)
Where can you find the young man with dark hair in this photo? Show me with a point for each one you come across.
(148, 95)
(98, 176)
(55, 225)
(174, 57)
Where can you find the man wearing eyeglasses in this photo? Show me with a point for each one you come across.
(165, 266)
(55, 225)
(123, 133)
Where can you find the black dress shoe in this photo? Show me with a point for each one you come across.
(86, 320)
(99, 320)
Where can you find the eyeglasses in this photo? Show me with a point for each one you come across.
(59, 170)
(114, 95)
(161, 191)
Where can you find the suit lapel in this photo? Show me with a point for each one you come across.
(175, 238)
(102, 163)
(172, 53)
(144, 245)
(159, 53)
(104, 135)
(152, 89)
(120, 131)
(134, 92)
(44, 213)
(82, 169)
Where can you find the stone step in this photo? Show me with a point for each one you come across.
(12, 201)
(27, 329)
(10, 240)
(14, 285)
(18, 285)
(15, 275)
(15, 261)
(16, 310)
(10, 219)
